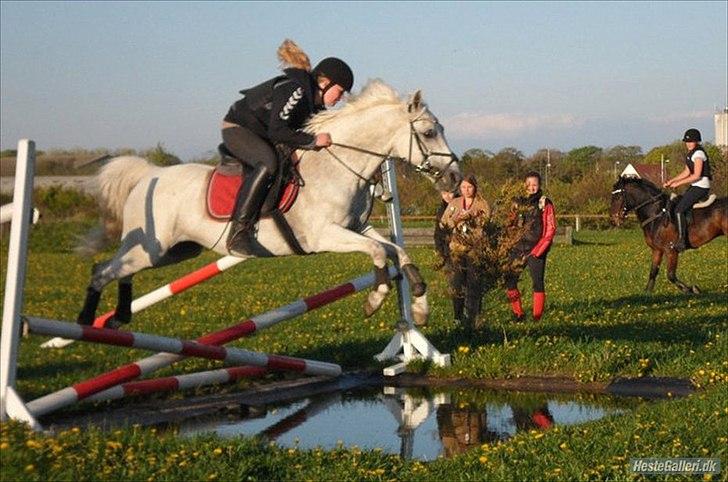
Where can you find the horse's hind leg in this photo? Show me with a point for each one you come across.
(654, 269)
(121, 267)
(672, 275)
(122, 313)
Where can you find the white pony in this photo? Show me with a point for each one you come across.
(163, 216)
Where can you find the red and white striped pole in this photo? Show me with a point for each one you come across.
(179, 382)
(143, 341)
(70, 395)
(175, 287)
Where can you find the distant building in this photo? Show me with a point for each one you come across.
(651, 172)
(721, 128)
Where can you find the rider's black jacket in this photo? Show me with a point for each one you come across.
(706, 163)
(278, 108)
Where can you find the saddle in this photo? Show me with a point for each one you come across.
(229, 176)
(674, 198)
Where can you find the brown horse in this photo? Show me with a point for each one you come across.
(652, 207)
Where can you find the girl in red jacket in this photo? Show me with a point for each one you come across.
(540, 223)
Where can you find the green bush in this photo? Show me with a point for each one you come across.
(56, 203)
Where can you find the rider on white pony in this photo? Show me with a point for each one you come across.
(270, 114)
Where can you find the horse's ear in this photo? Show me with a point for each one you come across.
(415, 102)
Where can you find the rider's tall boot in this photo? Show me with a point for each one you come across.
(247, 209)
(682, 233)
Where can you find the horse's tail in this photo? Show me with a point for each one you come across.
(114, 182)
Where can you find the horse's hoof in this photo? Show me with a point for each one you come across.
(113, 323)
(420, 318)
(84, 319)
(419, 289)
(369, 310)
(695, 289)
(420, 311)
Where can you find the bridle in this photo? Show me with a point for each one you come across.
(424, 167)
(626, 209)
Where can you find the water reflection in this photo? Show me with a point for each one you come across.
(411, 423)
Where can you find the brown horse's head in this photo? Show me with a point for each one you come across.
(618, 207)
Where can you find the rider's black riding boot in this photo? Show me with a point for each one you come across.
(682, 233)
(247, 208)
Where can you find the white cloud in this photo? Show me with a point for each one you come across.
(685, 117)
(469, 125)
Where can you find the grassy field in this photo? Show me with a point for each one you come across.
(598, 325)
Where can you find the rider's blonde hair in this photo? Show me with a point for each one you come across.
(291, 55)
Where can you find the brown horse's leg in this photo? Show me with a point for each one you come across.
(656, 260)
(672, 276)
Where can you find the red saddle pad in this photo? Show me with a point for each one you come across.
(222, 189)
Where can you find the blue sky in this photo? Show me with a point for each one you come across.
(497, 74)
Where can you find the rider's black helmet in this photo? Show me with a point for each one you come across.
(692, 135)
(337, 71)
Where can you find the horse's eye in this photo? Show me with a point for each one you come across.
(430, 133)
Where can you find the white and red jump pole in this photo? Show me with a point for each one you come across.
(99, 386)
(170, 289)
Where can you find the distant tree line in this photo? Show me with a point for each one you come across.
(579, 181)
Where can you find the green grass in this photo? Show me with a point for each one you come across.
(599, 324)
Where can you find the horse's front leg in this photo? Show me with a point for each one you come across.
(337, 239)
(654, 269)
(672, 275)
(420, 307)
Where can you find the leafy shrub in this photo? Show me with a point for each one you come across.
(56, 203)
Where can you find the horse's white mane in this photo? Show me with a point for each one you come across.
(374, 93)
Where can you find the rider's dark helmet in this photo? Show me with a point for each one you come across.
(692, 135)
(337, 71)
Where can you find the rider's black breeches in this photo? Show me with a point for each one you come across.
(250, 148)
(691, 196)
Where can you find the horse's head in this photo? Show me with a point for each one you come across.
(631, 193)
(378, 124)
(422, 143)
(618, 207)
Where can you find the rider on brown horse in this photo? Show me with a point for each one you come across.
(697, 174)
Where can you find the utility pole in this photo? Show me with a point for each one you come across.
(548, 168)
(662, 167)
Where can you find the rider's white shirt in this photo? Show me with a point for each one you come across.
(703, 182)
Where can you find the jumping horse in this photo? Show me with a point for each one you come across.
(161, 211)
(653, 209)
